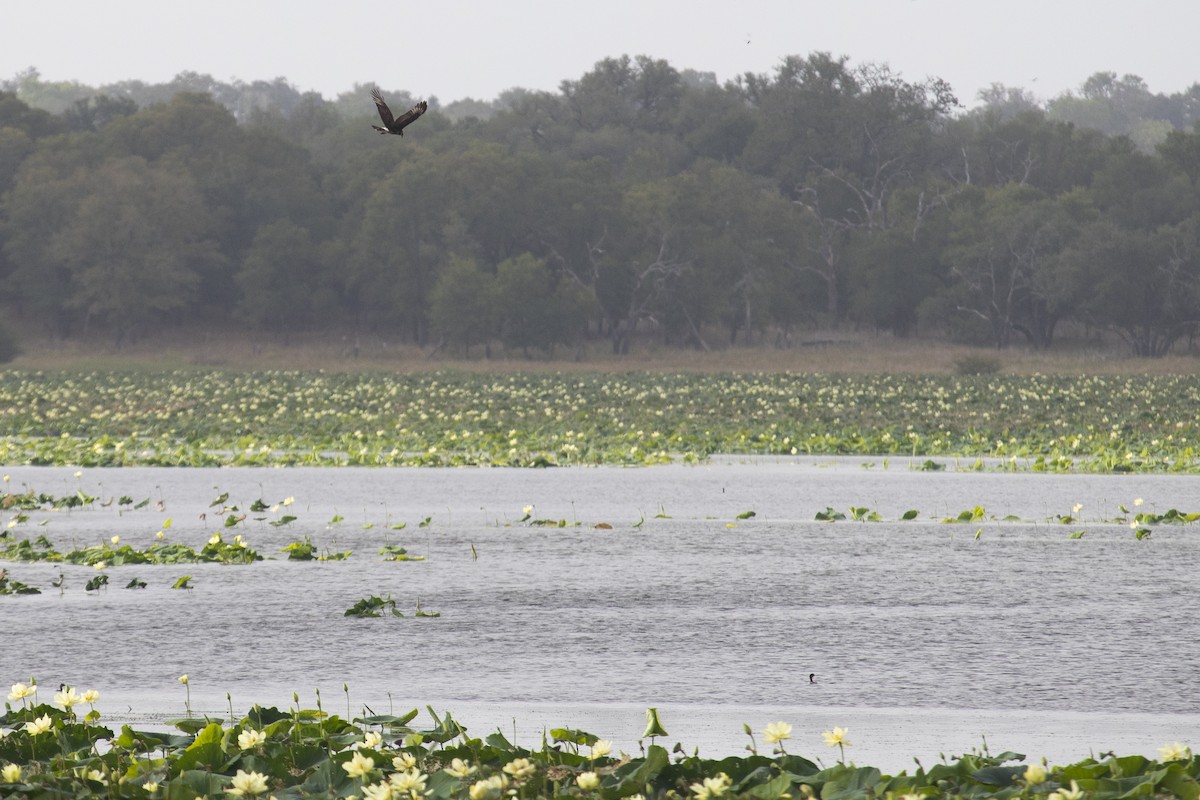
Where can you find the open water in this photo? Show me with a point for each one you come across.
(924, 636)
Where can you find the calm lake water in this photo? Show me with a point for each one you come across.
(924, 637)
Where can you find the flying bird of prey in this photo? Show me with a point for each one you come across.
(391, 125)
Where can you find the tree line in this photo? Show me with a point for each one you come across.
(637, 201)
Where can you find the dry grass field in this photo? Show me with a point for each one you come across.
(818, 352)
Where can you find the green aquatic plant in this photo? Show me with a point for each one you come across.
(197, 418)
(300, 550)
(394, 552)
(975, 514)
(12, 586)
(50, 752)
(373, 606)
(422, 612)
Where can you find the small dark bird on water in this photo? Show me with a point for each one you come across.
(812, 677)
(395, 125)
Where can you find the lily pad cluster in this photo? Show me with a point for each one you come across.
(1143, 423)
(52, 751)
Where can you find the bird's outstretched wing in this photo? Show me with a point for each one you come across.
(385, 113)
(408, 116)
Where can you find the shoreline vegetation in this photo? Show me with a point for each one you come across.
(816, 351)
(75, 408)
(59, 750)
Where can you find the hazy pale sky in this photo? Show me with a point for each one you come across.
(458, 48)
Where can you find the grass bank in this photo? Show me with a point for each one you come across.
(819, 352)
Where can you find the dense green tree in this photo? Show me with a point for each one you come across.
(1026, 148)
(737, 233)
(282, 280)
(93, 113)
(135, 246)
(537, 308)
(398, 247)
(841, 142)
(1005, 252)
(1122, 106)
(1144, 285)
(637, 200)
(893, 271)
(640, 93)
(43, 200)
(1137, 190)
(1181, 152)
(34, 122)
(463, 307)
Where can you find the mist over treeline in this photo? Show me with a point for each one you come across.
(637, 202)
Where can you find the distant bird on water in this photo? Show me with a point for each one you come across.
(395, 125)
(812, 677)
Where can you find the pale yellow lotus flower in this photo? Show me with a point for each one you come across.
(1034, 774)
(39, 725)
(97, 776)
(712, 787)
(90, 697)
(521, 769)
(183, 679)
(250, 739)
(489, 788)
(404, 761)
(460, 769)
(287, 501)
(1074, 793)
(410, 783)
(776, 732)
(1137, 501)
(372, 739)
(11, 773)
(115, 540)
(836, 737)
(1174, 752)
(67, 698)
(20, 691)
(378, 791)
(358, 765)
(215, 539)
(151, 787)
(99, 565)
(601, 748)
(159, 535)
(587, 781)
(248, 783)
